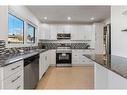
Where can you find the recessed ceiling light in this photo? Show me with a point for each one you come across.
(45, 18)
(92, 18)
(68, 18)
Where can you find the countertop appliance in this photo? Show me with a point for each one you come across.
(31, 72)
(63, 56)
(63, 36)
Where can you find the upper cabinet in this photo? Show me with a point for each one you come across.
(53, 32)
(60, 28)
(67, 28)
(81, 32)
(78, 32)
(64, 28)
(48, 31)
(44, 31)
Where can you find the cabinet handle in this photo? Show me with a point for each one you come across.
(18, 87)
(15, 67)
(15, 79)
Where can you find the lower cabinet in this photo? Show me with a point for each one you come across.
(52, 57)
(12, 76)
(14, 82)
(78, 57)
(44, 62)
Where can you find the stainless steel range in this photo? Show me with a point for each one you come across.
(63, 56)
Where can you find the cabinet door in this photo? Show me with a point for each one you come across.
(78, 32)
(41, 65)
(82, 32)
(53, 32)
(88, 32)
(47, 59)
(75, 57)
(44, 31)
(53, 57)
(60, 28)
(74, 32)
(67, 28)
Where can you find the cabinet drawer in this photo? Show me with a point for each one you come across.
(15, 81)
(12, 68)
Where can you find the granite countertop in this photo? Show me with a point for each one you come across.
(117, 64)
(6, 60)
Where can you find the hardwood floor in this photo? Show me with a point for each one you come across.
(68, 78)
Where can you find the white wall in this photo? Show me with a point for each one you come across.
(20, 11)
(119, 38)
(3, 22)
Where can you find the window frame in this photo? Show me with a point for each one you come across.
(9, 13)
(29, 24)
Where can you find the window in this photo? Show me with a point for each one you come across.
(15, 29)
(30, 34)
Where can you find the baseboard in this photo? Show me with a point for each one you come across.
(76, 65)
(82, 64)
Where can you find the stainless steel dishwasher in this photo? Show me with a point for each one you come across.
(31, 72)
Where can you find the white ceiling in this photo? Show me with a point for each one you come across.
(79, 14)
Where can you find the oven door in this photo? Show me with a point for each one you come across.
(63, 58)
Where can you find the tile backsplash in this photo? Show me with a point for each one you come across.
(2, 47)
(14, 50)
(55, 44)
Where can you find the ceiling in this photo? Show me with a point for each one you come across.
(78, 14)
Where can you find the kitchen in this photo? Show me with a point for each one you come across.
(62, 47)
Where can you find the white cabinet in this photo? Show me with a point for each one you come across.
(52, 57)
(12, 76)
(43, 63)
(73, 32)
(89, 33)
(67, 28)
(14, 82)
(60, 28)
(100, 77)
(44, 31)
(81, 32)
(53, 32)
(78, 32)
(79, 58)
(47, 59)
(64, 28)
(48, 31)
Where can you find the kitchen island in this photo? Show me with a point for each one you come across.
(109, 74)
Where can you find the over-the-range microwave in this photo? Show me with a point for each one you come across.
(63, 36)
